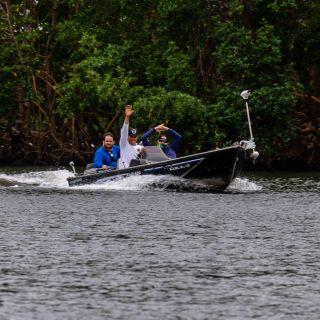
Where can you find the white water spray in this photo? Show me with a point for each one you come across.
(57, 179)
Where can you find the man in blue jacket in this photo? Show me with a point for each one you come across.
(107, 155)
(170, 150)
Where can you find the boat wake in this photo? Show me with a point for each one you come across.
(57, 179)
(240, 185)
(49, 178)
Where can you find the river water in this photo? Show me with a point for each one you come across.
(145, 248)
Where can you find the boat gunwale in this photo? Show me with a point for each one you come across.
(154, 164)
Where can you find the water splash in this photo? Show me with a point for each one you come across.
(168, 183)
(243, 185)
(58, 179)
(50, 178)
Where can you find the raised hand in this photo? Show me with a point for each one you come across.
(161, 127)
(128, 111)
(164, 128)
(158, 128)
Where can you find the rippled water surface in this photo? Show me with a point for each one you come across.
(144, 248)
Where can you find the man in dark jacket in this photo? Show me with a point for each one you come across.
(170, 150)
(108, 154)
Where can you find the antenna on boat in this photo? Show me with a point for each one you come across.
(71, 164)
(249, 144)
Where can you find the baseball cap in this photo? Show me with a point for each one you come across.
(133, 132)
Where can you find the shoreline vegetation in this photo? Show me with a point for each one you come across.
(26, 150)
(68, 68)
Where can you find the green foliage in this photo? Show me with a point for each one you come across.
(273, 116)
(183, 63)
(95, 81)
(255, 61)
(182, 112)
(279, 5)
(180, 75)
(245, 58)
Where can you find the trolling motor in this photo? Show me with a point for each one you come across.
(250, 143)
(71, 164)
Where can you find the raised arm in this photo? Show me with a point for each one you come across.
(124, 135)
(177, 139)
(128, 111)
(146, 136)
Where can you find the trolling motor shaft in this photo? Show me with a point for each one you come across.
(245, 95)
(249, 144)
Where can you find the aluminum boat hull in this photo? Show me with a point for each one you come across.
(216, 168)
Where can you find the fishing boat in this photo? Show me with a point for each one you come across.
(215, 168)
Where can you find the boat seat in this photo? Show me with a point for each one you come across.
(90, 169)
(89, 166)
(154, 154)
(138, 162)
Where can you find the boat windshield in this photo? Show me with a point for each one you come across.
(154, 153)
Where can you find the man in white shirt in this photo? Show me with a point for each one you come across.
(129, 149)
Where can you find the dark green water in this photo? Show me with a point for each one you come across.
(134, 250)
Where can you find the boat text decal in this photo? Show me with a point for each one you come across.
(179, 167)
